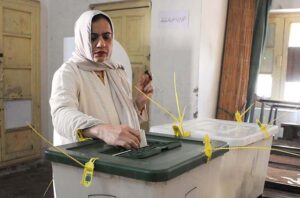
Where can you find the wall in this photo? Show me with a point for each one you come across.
(174, 48)
(194, 53)
(285, 4)
(213, 23)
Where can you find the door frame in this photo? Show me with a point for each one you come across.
(120, 5)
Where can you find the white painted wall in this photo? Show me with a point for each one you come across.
(193, 53)
(285, 4)
(174, 49)
(213, 23)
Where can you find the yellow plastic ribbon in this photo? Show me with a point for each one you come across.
(88, 172)
(186, 133)
(207, 147)
(180, 116)
(178, 126)
(80, 136)
(88, 167)
(179, 132)
(176, 131)
(263, 129)
(238, 116)
(256, 148)
(158, 105)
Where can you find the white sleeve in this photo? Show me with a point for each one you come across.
(64, 104)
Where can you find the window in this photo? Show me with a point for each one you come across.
(292, 84)
(279, 74)
(265, 85)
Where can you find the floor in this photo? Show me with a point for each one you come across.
(28, 181)
(283, 176)
(32, 182)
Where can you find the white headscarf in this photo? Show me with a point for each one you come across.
(120, 87)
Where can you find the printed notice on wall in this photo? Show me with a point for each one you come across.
(179, 18)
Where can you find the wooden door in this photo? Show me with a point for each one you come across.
(132, 29)
(19, 80)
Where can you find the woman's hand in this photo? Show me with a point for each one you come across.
(145, 85)
(119, 135)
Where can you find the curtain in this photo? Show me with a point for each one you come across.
(259, 35)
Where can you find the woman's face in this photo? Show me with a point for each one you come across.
(101, 38)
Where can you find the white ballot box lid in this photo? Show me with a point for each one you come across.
(234, 133)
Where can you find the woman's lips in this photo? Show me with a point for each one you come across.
(100, 53)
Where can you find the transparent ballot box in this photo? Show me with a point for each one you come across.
(167, 167)
(243, 171)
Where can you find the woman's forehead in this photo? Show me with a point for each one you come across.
(101, 25)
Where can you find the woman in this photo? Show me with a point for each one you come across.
(91, 95)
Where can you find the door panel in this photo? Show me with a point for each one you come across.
(19, 143)
(17, 51)
(118, 28)
(16, 21)
(17, 87)
(134, 40)
(15, 141)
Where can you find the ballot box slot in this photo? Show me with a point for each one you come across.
(153, 148)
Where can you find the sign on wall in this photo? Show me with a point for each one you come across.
(174, 18)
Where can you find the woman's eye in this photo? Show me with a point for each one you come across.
(106, 36)
(94, 36)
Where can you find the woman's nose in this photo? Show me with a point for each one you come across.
(101, 42)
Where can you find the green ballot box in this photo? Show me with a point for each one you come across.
(167, 167)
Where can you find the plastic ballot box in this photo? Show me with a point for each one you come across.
(167, 167)
(243, 170)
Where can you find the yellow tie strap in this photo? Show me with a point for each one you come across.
(263, 129)
(179, 132)
(88, 167)
(80, 136)
(88, 172)
(238, 116)
(207, 147)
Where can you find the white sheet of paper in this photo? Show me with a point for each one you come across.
(143, 142)
(17, 113)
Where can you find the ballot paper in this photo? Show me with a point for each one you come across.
(143, 142)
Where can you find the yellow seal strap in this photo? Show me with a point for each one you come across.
(263, 129)
(179, 132)
(88, 172)
(176, 131)
(207, 147)
(88, 167)
(80, 136)
(238, 116)
(186, 134)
